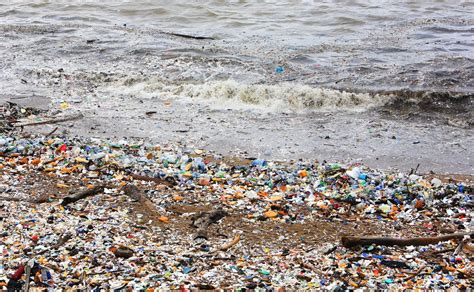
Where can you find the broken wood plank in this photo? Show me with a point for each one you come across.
(352, 241)
(82, 195)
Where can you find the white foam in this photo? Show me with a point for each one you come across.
(232, 94)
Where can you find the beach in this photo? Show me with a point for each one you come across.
(235, 145)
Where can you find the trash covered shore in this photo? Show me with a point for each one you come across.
(86, 213)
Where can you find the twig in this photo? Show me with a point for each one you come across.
(231, 243)
(102, 272)
(187, 36)
(81, 195)
(51, 133)
(436, 252)
(51, 121)
(352, 241)
(459, 248)
(33, 201)
(12, 199)
(414, 274)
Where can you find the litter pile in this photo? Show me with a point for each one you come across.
(93, 214)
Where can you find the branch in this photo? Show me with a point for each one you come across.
(82, 195)
(352, 241)
(51, 121)
(187, 36)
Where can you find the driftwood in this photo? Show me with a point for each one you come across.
(133, 192)
(33, 201)
(203, 219)
(51, 121)
(2, 198)
(167, 181)
(82, 195)
(352, 241)
(231, 243)
(187, 36)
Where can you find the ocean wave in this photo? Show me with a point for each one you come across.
(274, 97)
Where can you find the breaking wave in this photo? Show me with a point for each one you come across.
(275, 97)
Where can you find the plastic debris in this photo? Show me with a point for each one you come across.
(259, 224)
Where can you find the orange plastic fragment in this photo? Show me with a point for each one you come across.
(164, 219)
(270, 214)
(23, 160)
(263, 194)
(303, 173)
(419, 204)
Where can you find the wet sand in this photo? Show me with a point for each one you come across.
(377, 139)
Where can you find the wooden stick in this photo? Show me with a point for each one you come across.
(12, 199)
(231, 243)
(414, 274)
(25, 200)
(352, 241)
(189, 36)
(435, 252)
(52, 132)
(82, 195)
(459, 248)
(51, 121)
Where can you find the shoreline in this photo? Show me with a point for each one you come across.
(281, 226)
(392, 139)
